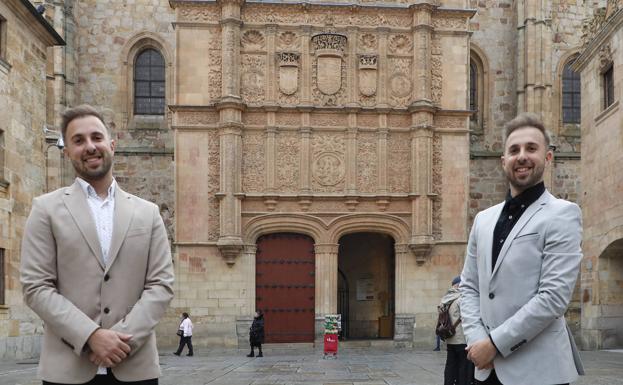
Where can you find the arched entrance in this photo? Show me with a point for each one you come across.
(284, 286)
(611, 295)
(366, 265)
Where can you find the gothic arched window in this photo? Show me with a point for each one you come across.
(473, 90)
(571, 95)
(149, 83)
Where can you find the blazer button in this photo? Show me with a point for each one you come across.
(106, 310)
(106, 277)
(491, 295)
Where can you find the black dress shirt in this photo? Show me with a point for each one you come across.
(512, 211)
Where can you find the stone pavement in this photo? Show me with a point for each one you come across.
(306, 366)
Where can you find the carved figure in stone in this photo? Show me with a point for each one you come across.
(252, 78)
(252, 40)
(605, 57)
(368, 74)
(329, 49)
(328, 169)
(400, 44)
(288, 72)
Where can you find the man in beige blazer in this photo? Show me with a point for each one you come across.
(96, 267)
(523, 259)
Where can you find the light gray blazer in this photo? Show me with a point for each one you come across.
(66, 283)
(522, 303)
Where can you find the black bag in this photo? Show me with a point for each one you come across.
(180, 333)
(445, 328)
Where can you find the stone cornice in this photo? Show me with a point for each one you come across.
(27, 12)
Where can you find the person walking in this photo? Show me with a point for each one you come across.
(186, 329)
(256, 334)
(522, 262)
(96, 267)
(458, 370)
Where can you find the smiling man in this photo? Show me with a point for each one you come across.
(96, 267)
(523, 258)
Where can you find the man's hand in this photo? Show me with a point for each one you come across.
(108, 347)
(482, 353)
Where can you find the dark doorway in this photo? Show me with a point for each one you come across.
(366, 285)
(284, 286)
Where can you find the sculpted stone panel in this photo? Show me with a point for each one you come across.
(451, 122)
(399, 153)
(329, 70)
(288, 160)
(368, 42)
(197, 118)
(205, 13)
(254, 118)
(288, 77)
(368, 120)
(437, 180)
(367, 162)
(287, 119)
(328, 120)
(399, 121)
(253, 161)
(252, 82)
(214, 64)
(368, 79)
(449, 23)
(288, 41)
(436, 71)
(328, 163)
(400, 81)
(400, 44)
(214, 162)
(252, 40)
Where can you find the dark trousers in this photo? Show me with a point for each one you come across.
(109, 379)
(493, 380)
(459, 370)
(185, 341)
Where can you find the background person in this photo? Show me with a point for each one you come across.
(256, 334)
(186, 326)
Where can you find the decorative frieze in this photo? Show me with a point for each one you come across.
(253, 76)
(252, 40)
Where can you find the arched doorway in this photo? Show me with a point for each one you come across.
(285, 285)
(366, 262)
(611, 295)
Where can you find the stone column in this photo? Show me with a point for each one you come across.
(243, 322)
(230, 130)
(383, 68)
(352, 78)
(271, 134)
(382, 200)
(326, 282)
(271, 97)
(405, 318)
(422, 36)
(305, 191)
(351, 155)
(306, 97)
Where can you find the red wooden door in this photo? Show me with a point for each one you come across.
(285, 276)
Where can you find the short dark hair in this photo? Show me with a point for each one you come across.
(185, 315)
(526, 119)
(77, 112)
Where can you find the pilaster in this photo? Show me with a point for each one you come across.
(326, 279)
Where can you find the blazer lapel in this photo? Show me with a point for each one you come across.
(124, 211)
(490, 227)
(77, 205)
(523, 220)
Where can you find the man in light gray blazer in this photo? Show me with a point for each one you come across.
(96, 267)
(522, 263)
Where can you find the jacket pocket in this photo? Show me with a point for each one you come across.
(137, 231)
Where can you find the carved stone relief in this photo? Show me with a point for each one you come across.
(368, 74)
(399, 121)
(399, 160)
(400, 45)
(329, 50)
(328, 120)
(400, 83)
(252, 40)
(253, 171)
(605, 57)
(214, 185)
(288, 72)
(254, 118)
(252, 82)
(452, 122)
(288, 160)
(367, 162)
(288, 119)
(368, 120)
(450, 23)
(204, 13)
(368, 42)
(328, 165)
(197, 118)
(437, 187)
(436, 71)
(288, 41)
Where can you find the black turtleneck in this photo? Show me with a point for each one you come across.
(512, 211)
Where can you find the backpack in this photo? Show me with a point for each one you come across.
(445, 328)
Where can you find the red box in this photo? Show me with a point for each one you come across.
(330, 343)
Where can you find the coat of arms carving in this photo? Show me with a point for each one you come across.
(288, 72)
(368, 74)
(329, 49)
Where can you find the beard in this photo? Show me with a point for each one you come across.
(526, 182)
(93, 174)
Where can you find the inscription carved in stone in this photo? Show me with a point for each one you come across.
(288, 72)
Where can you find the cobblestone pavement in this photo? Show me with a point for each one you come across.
(306, 366)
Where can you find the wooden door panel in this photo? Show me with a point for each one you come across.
(285, 278)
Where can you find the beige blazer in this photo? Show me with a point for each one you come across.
(521, 302)
(66, 283)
